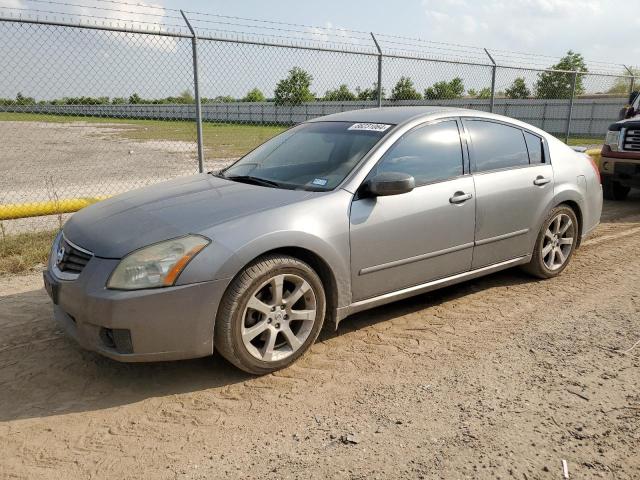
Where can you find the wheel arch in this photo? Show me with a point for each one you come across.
(573, 199)
(336, 283)
(321, 267)
(573, 205)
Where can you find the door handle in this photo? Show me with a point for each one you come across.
(540, 180)
(460, 197)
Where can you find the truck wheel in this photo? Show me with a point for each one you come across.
(612, 190)
(270, 314)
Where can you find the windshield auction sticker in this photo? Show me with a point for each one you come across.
(373, 127)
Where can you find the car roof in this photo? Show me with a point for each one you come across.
(392, 115)
(400, 115)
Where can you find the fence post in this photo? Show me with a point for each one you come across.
(573, 94)
(631, 81)
(379, 70)
(493, 81)
(196, 92)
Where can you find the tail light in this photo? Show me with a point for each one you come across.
(595, 167)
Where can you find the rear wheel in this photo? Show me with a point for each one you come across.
(270, 315)
(555, 244)
(612, 190)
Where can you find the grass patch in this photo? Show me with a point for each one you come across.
(22, 252)
(585, 140)
(221, 140)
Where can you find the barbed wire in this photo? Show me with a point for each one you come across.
(95, 17)
(253, 28)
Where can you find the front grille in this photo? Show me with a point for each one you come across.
(70, 259)
(631, 140)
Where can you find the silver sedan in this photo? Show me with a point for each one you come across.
(333, 216)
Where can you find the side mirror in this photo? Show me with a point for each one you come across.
(389, 183)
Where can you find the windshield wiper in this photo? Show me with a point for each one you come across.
(254, 180)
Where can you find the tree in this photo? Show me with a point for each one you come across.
(254, 95)
(559, 84)
(621, 85)
(518, 89)
(340, 94)
(185, 97)
(222, 99)
(22, 100)
(135, 99)
(404, 90)
(483, 93)
(369, 93)
(445, 90)
(294, 90)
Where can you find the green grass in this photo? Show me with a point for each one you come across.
(221, 140)
(21, 253)
(574, 141)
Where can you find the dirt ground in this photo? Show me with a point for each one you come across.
(80, 159)
(500, 377)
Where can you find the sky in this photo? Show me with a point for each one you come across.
(97, 63)
(599, 29)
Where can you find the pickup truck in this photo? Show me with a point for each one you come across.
(620, 155)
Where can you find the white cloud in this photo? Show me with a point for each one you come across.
(12, 4)
(595, 28)
(332, 33)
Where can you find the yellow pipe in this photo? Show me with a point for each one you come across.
(13, 211)
(595, 154)
(70, 205)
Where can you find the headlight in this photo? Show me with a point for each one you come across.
(612, 139)
(157, 265)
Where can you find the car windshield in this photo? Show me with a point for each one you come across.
(312, 156)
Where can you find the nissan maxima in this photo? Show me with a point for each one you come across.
(334, 216)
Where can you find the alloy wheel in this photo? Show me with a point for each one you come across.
(558, 241)
(279, 317)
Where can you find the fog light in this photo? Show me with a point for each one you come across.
(118, 339)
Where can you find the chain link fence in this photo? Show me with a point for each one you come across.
(89, 111)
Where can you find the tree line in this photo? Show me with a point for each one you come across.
(295, 89)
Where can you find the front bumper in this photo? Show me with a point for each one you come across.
(170, 323)
(621, 167)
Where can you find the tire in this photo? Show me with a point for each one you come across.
(612, 190)
(261, 333)
(546, 262)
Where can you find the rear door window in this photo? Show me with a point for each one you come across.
(496, 146)
(534, 146)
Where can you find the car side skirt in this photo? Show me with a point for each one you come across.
(368, 303)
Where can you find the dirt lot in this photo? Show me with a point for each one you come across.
(501, 377)
(80, 159)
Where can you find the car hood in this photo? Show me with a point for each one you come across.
(117, 226)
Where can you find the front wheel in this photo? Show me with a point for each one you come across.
(555, 244)
(270, 315)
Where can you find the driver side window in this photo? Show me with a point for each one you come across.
(430, 153)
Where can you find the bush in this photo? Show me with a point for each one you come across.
(445, 90)
(340, 94)
(404, 90)
(295, 89)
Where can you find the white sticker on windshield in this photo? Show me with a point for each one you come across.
(320, 181)
(373, 127)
